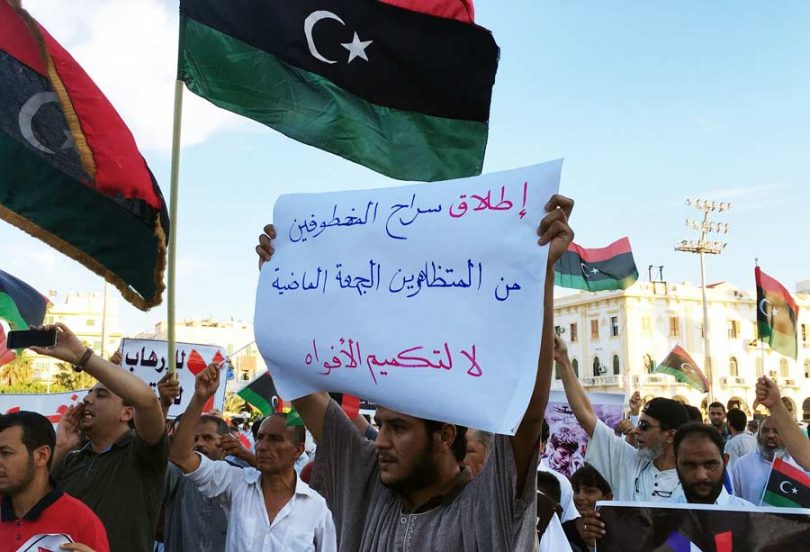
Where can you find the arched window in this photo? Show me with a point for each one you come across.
(575, 366)
(596, 370)
(616, 368)
(649, 365)
(784, 370)
(733, 369)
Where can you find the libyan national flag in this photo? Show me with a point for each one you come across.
(71, 173)
(777, 314)
(611, 267)
(684, 368)
(21, 306)
(406, 94)
(787, 486)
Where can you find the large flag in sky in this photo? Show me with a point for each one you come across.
(777, 314)
(683, 367)
(404, 93)
(787, 486)
(70, 172)
(20, 306)
(610, 267)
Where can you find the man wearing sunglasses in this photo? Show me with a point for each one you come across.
(643, 474)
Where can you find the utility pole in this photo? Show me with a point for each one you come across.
(703, 247)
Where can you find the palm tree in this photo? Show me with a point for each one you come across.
(17, 372)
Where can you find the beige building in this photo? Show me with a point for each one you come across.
(235, 337)
(616, 338)
(83, 312)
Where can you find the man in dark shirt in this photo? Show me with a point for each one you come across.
(33, 509)
(120, 471)
(409, 490)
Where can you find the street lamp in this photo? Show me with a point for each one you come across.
(704, 246)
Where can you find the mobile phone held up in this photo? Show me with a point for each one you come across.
(21, 339)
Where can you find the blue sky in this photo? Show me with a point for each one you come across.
(648, 102)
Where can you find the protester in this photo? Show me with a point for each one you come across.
(479, 445)
(566, 500)
(589, 488)
(717, 418)
(33, 509)
(741, 443)
(794, 439)
(646, 473)
(120, 471)
(750, 473)
(551, 535)
(269, 508)
(193, 521)
(694, 413)
(753, 426)
(409, 490)
(701, 465)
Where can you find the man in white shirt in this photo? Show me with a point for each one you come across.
(643, 474)
(269, 508)
(741, 443)
(701, 463)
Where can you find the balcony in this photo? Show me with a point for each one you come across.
(787, 382)
(734, 381)
(602, 381)
(652, 379)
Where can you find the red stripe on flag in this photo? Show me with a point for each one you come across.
(461, 10)
(16, 39)
(769, 285)
(602, 253)
(792, 472)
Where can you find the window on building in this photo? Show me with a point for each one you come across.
(597, 370)
(594, 329)
(733, 369)
(558, 330)
(91, 322)
(244, 376)
(556, 370)
(733, 329)
(784, 370)
(649, 364)
(614, 326)
(573, 330)
(807, 368)
(616, 367)
(646, 325)
(674, 326)
(804, 333)
(575, 366)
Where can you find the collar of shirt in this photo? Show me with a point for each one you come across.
(122, 441)
(452, 491)
(7, 507)
(253, 476)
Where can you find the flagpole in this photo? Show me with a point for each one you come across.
(172, 264)
(761, 341)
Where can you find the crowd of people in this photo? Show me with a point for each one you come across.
(117, 475)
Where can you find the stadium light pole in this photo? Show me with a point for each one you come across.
(703, 246)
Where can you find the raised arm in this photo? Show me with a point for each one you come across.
(148, 415)
(181, 451)
(577, 398)
(795, 442)
(554, 232)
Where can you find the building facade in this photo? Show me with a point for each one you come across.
(616, 338)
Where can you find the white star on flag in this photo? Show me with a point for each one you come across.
(356, 48)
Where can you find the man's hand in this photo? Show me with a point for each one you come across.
(265, 248)
(168, 390)
(231, 445)
(67, 348)
(554, 230)
(590, 528)
(635, 403)
(768, 393)
(116, 357)
(560, 350)
(207, 382)
(67, 432)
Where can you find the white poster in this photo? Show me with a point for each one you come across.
(147, 359)
(425, 298)
(50, 405)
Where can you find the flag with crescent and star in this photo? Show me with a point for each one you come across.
(683, 368)
(777, 314)
(72, 174)
(611, 267)
(21, 306)
(788, 486)
(349, 77)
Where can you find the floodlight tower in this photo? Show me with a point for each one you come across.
(703, 246)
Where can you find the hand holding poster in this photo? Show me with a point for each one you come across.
(424, 298)
(147, 359)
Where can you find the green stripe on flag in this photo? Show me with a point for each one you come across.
(256, 400)
(11, 314)
(680, 376)
(605, 284)
(312, 109)
(779, 500)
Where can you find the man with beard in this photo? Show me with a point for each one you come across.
(268, 508)
(120, 471)
(701, 465)
(33, 509)
(750, 474)
(717, 418)
(408, 490)
(796, 441)
(646, 473)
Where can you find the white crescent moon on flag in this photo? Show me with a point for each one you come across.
(762, 306)
(782, 487)
(309, 24)
(27, 113)
(685, 366)
(584, 269)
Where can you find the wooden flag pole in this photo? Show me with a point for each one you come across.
(172, 261)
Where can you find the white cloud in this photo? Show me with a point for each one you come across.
(129, 48)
